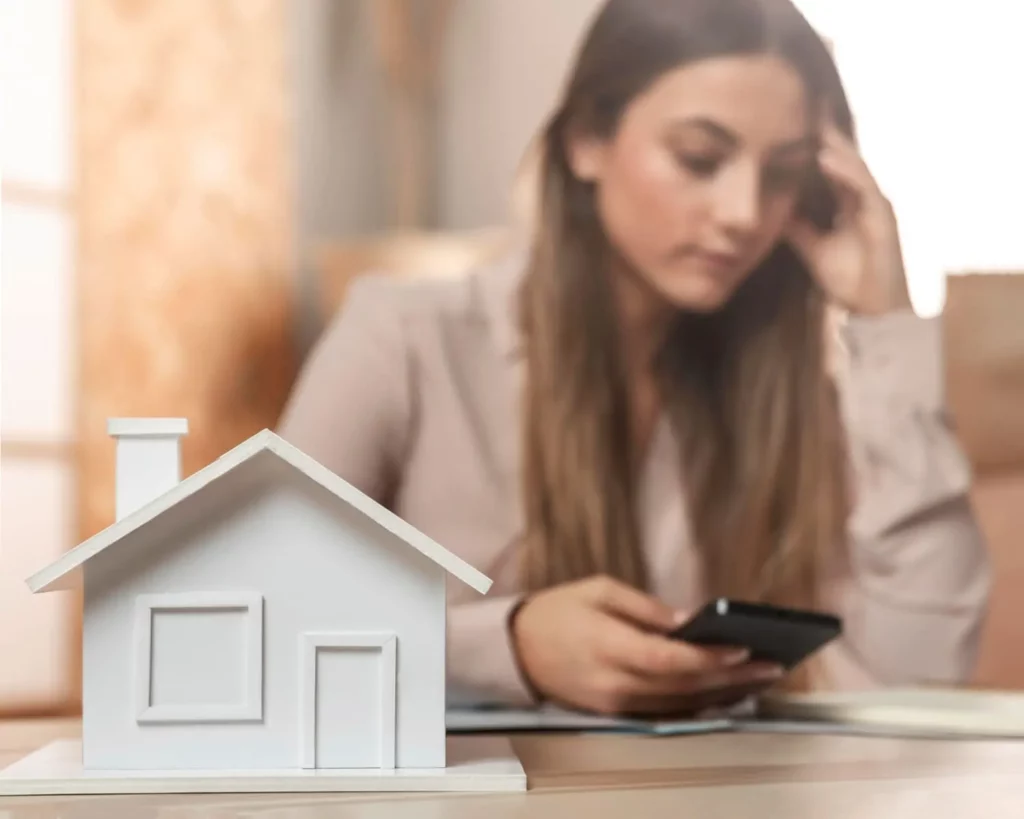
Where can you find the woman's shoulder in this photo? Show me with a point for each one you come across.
(411, 301)
(405, 297)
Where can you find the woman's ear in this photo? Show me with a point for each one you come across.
(587, 156)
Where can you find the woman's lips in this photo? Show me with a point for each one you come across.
(718, 261)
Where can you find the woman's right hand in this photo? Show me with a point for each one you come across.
(600, 645)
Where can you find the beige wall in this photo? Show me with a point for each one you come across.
(504, 64)
(335, 109)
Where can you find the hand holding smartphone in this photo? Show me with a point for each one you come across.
(600, 645)
(771, 634)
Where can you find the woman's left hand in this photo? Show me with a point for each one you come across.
(859, 263)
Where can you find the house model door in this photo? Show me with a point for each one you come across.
(348, 700)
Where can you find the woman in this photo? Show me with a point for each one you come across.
(642, 410)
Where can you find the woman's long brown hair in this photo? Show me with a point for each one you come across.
(746, 388)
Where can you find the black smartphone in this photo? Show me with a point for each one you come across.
(771, 634)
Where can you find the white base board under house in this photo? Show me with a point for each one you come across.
(475, 765)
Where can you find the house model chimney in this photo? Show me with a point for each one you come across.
(148, 459)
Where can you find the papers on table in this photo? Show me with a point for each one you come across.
(934, 713)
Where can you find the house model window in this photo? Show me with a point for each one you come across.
(199, 657)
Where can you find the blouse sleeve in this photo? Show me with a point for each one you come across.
(915, 596)
(350, 407)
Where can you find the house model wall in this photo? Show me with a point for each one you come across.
(260, 615)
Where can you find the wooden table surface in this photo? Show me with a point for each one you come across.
(734, 775)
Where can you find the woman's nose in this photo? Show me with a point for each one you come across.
(737, 204)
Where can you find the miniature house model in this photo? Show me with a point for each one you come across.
(261, 614)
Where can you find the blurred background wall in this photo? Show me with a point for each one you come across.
(148, 230)
(501, 68)
(499, 72)
(189, 186)
(38, 324)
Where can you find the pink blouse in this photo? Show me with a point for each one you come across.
(412, 396)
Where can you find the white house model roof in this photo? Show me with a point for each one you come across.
(64, 573)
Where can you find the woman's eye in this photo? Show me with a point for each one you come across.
(699, 165)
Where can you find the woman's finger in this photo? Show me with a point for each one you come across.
(650, 655)
(805, 238)
(616, 598)
(632, 695)
(749, 674)
(667, 706)
(618, 692)
(844, 174)
(759, 673)
(844, 157)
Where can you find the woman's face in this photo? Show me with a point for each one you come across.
(703, 175)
